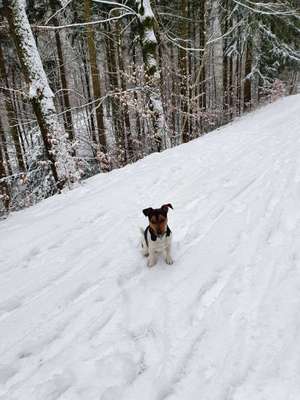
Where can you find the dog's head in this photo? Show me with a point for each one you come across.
(158, 219)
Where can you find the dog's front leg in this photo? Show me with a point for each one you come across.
(167, 255)
(152, 259)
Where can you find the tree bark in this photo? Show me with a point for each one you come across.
(95, 77)
(148, 41)
(64, 83)
(4, 190)
(116, 111)
(125, 111)
(41, 96)
(87, 92)
(183, 68)
(11, 115)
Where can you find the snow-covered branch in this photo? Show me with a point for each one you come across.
(273, 9)
(80, 24)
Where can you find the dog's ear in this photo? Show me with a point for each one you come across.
(166, 206)
(147, 211)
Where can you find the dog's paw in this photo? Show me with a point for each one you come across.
(151, 263)
(169, 260)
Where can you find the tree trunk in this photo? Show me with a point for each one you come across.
(116, 112)
(256, 50)
(4, 190)
(121, 71)
(42, 99)
(183, 68)
(226, 41)
(11, 115)
(202, 66)
(148, 41)
(138, 125)
(87, 92)
(64, 84)
(95, 77)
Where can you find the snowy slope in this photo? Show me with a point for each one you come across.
(81, 316)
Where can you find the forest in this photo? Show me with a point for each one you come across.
(93, 85)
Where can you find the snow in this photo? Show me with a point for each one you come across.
(82, 317)
(144, 10)
(149, 36)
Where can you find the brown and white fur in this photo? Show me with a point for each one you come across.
(157, 236)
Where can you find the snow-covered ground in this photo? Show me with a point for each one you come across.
(82, 317)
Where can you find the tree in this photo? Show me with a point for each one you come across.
(4, 190)
(131, 77)
(40, 94)
(63, 76)
(10, 112)
(95, 74)
(148, 41)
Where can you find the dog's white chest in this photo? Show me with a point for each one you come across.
(160, 244)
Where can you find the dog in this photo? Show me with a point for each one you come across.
(156, 238)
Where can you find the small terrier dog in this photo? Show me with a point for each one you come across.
(157, 236)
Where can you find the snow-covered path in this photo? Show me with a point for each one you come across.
(81, 317)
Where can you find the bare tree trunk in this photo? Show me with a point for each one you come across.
(95, 77)
(293, 81)
(21, 109)
(247, 84)
(183, 68)
(4, 190)
(226, 86)
(173, 94)
(42, 98)
(64, 84)
(128, 137)
(202, 66)
(87, 92)
(215, 61)
(5, 151)
(11, 115)
(256, 49)
(138, 124)
(116, 111)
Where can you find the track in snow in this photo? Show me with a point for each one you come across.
(81, 317)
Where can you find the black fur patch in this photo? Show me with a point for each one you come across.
(153, 235)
